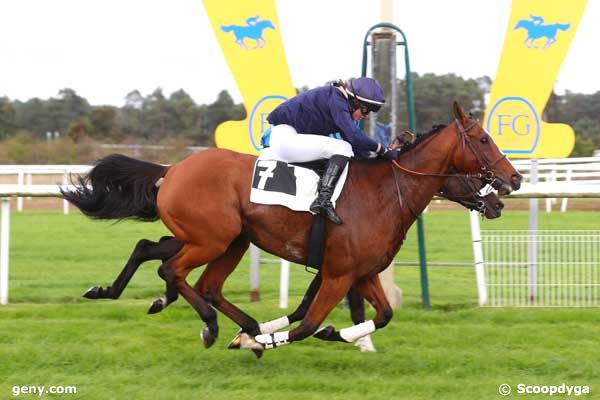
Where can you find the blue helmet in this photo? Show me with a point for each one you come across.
(365, 92)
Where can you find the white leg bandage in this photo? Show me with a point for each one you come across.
(272, 340)
(357, 331)
(274, 325)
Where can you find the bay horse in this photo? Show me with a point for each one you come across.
(204, 201)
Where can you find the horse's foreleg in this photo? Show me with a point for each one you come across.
(357, 305)
(299, 313)
(330, 292)
(174, 272)
(372, 290)
(357, 312)
(145, 250)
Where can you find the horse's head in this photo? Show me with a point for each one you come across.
(265, 24)
(473, 194)
(477, 153)
(522, 24)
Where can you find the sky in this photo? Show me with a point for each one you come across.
(104, 49)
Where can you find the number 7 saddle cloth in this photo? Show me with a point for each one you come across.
(294, 186)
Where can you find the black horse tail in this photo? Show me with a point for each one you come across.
(118, 187)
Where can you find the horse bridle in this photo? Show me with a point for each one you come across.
(485, 165)
(487, 175)
(465, 199)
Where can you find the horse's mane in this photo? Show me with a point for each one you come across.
(420, 137)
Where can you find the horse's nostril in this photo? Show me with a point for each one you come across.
(499, 206)
(516, 178)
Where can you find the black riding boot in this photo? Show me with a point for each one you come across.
(322, 204)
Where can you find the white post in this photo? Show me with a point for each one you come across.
(65, 202)
(563, 205)
(254, 273)
(478, 258)
(4, 235)
(20, 182)
(532, 247)
(284, 283)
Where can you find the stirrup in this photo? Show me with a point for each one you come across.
(327, 211)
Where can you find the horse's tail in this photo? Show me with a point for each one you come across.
(563, 27)
(227, 28)
(118, 187)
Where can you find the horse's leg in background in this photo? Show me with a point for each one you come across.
(175, 270)
(372, 290)
(145, 250)
(357, 312)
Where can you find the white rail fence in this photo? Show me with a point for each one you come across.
(22, 176)
(562, 170)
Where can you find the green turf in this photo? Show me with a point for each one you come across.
(49, 335)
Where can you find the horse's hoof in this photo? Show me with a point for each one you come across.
(258, 352)
(157, 306)
(365, 344)
(325, 333)
(93, 293)
(208, 339)
(236, 343)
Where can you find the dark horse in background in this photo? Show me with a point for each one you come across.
(204, 201)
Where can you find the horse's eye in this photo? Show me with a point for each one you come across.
(484, 140)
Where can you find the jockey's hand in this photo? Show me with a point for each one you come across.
(388, 153)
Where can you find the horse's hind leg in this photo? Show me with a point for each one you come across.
(145, 250)
(210, 285)
(175, 270)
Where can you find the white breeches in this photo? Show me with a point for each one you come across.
(290, 146)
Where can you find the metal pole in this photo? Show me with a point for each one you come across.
(4, 247)
(412, 126)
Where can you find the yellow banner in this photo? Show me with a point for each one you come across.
(249, 35)
(537, 40)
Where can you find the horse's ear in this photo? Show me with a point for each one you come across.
(458, 112)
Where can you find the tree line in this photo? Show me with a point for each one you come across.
(177, 118)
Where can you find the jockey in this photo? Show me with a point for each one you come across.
(300, 128)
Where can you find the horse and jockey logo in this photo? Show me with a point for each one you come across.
(536, 29)
(252, 30)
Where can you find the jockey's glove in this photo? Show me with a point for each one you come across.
(388, 153)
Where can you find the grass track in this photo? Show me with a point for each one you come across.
(49, 335)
